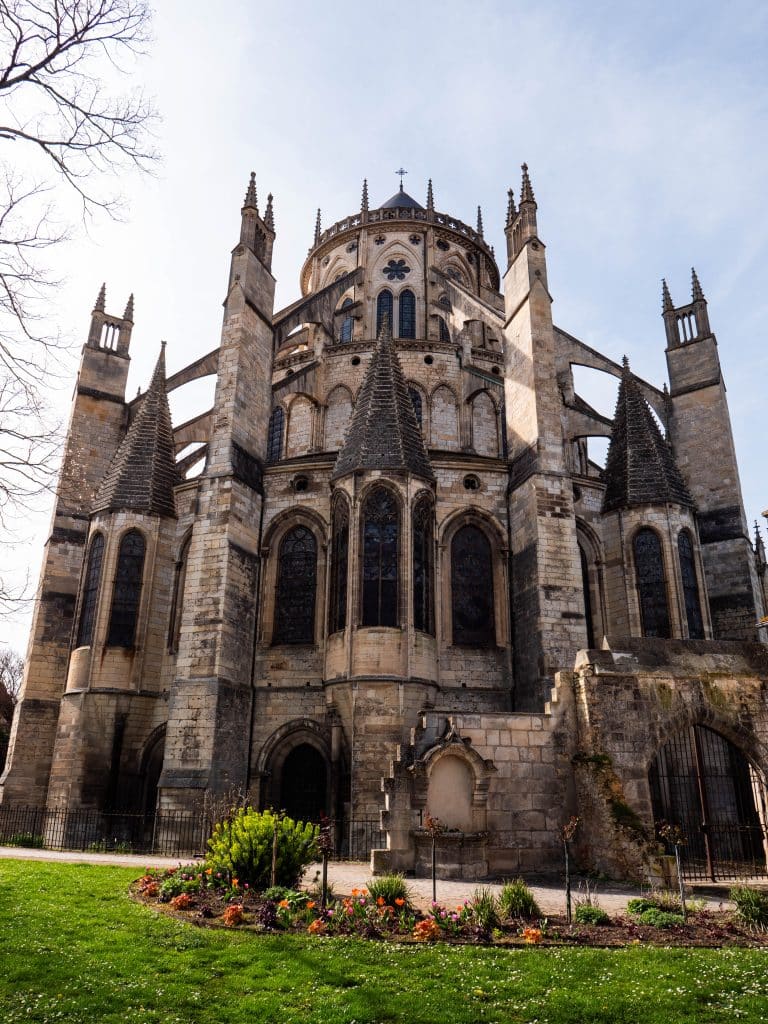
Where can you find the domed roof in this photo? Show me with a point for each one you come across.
(401, 198)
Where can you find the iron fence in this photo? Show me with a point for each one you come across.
(718, 852)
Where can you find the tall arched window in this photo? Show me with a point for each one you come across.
(472, 588)
(423, 568)
(415, 397)
(380, 549)
(337, 617)
(407, 304)
(127, 593)
(443, 333)
(690, 586)
(587, 591)
(177, 602)
(383, 308)
(296, 585)
(90, 592)
(275, 434)
(651, 583)
(347, 324)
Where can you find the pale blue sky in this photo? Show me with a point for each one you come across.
(644, 126)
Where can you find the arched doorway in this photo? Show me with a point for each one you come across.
(702, 782)
(304, 789)
(151, 767)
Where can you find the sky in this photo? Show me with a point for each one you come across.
(643, 124)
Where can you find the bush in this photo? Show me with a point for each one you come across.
(640, 904)
(660, 918)
(668, 902)
(484, 909)
(587, 913)
(517, 900)
(241, 846)
(390, 888)
(751, 905)
(30, 840)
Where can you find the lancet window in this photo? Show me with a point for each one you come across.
(423, 568)
(690, 586)
(90, 592)
(651, 583)
(347, 324)
(415, 397)
(383, 308)
(443, 333)
(275, 434)
(339, 567)
(381, 527)
(126, 596)
(296, 586)
(472, 588)
(179, 579)
(407, 314)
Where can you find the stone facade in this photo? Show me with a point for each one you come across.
(399, 587)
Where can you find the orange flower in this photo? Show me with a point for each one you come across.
(380, 901)
(310, 904)
(532, 935)
(209, 871)
(317, 927)
(399, 901)
(284, 904)
(235, 883)
(355, 892)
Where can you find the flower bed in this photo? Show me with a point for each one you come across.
(203, 896)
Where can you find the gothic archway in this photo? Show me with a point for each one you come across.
(304, 784)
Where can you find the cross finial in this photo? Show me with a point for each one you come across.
(402, 172)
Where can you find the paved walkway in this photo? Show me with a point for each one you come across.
(344, 876)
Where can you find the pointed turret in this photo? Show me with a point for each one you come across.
(521, 224)
(760, 559)
(251, 201)
(696, 293)
(640, 468)
(101, 299)
(317, 227)
(128, 314)
(666, 299)
(384, 433)
(480, 222)
(269, 214)
(526, 192)
(143, 473)
(364, 200)
(511, 209)
(430, 197)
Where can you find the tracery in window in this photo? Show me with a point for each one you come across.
(443, 333)
(337, 618)
(415, 397)
(127, 592)
(472, 588)
(381, 524)
(275, 434)
(383, 308)
(296, 585)
(407, 304)
(651, 583)
(423, 568)
(347, 324)
(90, 592)
(177, 603)
(690, 586)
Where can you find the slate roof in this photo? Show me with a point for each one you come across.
(384, 433)
(143, 473)
(640, 468)
(401, 198)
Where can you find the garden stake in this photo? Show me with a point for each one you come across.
(674, 834)
(433, 826)
(568, 832)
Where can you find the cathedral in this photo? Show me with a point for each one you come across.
(382, 580)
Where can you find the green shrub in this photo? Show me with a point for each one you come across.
(517, 900)
(586, 913)
(640, 904)
(187, 878)
(390, 888)
(30, 840)
(484, 909)
(660, 918)
(661, 899)
(241, 846)
(751, 905)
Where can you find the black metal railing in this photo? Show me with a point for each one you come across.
(717, 852)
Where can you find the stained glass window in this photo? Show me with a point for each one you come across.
(407, 305)
(651, 583)
(339, 567)
(587, 597)
(472, 588)
(296, 584)
(275, 435)
(179, 579)
(348, 323)
(380, 550)
(416, 400)
(90, 592)
(127, 593)
(423, 568)
(444, 333)
(396, 270)
(383, 308)
(690, 586)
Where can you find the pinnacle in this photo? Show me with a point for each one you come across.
(511, 210)
(480, 222)
(128, 314)
(251, 200)
(269, 214)
(101, 299)
(526, 192)
(696, 293)
(364, 201)
(317, 227)
(430, 196)
(666, 299)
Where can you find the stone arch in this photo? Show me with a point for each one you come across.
(591, 559)
(655, 618)
(451, 781)
(443, 418)
(278, 774)
(485, 423)
(338, 414)
(338, 267)
(456, 262)
(150, 768)
(381, 556)
(498, 553)
(299, 435)
(280, 526)
(416, 387)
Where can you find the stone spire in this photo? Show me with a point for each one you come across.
(666, 299)
(696, 293)
(128, 314)
(430, 197)
(269, 214)
(143, 473)
(251, 200)
(640, 468)
(511, 211)
(526, 192)
(317, 227)
(384, 433)
(364, 201)
(480, 222)
(760, 559)
(101, 299)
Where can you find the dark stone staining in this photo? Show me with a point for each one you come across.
(523, 466)
(721, 524)
(64, 536)
(246, 468)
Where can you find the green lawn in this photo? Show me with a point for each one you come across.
(75, 948)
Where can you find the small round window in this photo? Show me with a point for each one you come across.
(428, 360)
(300, 483)
(355, 360)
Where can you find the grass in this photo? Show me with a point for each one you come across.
(76, 949)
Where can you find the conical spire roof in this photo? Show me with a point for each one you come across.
(640, 468)
(143, 473)
(384, 433)
(401, 198)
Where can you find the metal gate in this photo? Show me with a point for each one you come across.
(703, 783)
